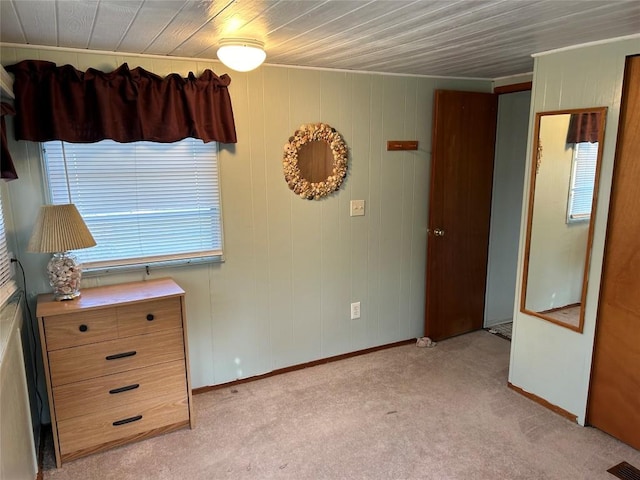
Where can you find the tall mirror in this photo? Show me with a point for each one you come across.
(564, 184)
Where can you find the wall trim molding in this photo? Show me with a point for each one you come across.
(587, 44)
(513, 88)
(517, 75)
(31, 46)
(541, 401)
(301, 366)
(218, 62)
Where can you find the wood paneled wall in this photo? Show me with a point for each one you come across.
(549, 361)
(282, 296)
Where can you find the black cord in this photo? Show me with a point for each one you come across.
(40, 405)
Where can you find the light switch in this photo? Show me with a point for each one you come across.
(357, 208)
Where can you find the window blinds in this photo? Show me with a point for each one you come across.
(144, 202)
(582, 179)
(7, 284)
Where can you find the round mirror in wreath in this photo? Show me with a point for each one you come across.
(315, 161)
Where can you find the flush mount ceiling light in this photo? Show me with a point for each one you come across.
(240, 54)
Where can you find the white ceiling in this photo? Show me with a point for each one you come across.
(464, 38)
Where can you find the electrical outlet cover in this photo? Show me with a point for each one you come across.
(355, 310)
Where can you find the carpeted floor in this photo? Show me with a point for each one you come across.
(568, 315)
(401, 413)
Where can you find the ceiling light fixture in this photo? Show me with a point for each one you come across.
(240, 54)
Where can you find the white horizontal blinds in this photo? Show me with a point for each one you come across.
(143, 202)
(582, 179)
(7, 284)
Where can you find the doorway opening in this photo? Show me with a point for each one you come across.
(506, 210)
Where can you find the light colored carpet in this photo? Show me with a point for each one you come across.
(401, 413)
(568, 315)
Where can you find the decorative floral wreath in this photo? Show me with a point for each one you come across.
(308, 133)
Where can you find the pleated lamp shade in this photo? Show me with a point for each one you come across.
(59, 228)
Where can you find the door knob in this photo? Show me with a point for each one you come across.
(438, 232)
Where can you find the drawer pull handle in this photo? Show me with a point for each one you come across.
(83, 328)
(150, 316)
(124, 389)
(124, 421)
(120, 355)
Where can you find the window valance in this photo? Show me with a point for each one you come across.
(584, 127)
(62, 103)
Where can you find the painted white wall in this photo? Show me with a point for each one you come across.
(292, 266)
(548, 360)
(558, 249)
(506, 206)
(18, 455)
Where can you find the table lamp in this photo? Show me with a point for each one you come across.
(58, 229)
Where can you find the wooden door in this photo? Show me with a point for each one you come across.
(614, 399)
(464, 132)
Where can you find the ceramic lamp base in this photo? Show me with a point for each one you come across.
(64, 276)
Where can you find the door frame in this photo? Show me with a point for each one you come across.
(500, 90)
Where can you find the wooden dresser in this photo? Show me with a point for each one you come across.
(116, 364)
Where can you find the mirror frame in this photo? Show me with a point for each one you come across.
(315, 132)
(532, 185)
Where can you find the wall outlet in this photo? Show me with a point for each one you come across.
(355, 310)
(12, 266)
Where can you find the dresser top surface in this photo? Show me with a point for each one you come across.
(109, 295)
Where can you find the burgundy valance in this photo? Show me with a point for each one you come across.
(62, 103)
(7, 170)
(584, 127)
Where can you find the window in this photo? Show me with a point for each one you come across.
(144, 202)
(7, 285)
(583, 174)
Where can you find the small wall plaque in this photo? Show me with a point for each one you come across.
(402, 145)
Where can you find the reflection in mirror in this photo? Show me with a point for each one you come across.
(315, 160)
(564, 185)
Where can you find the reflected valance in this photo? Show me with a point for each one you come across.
(584, 127)
(62, 103)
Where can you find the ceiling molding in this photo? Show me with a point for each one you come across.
(216, 61)
(587, 44)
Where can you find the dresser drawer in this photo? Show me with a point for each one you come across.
(90, 431)
(149, 317)
(91, 326)
(90, 361)
(117, 390)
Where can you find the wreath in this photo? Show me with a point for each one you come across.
(309, 133)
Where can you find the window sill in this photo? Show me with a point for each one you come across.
(99, 271)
